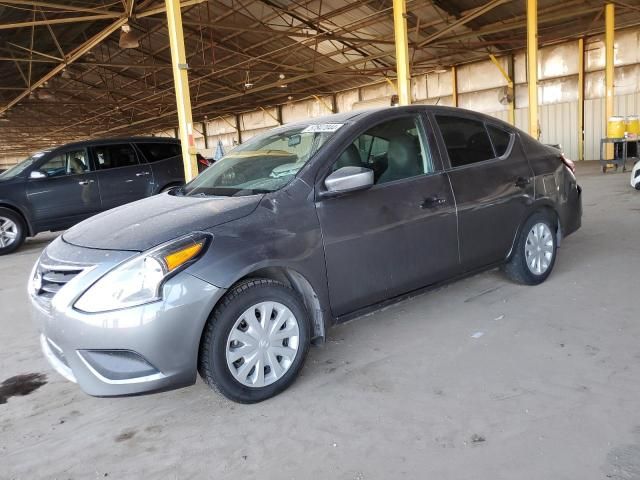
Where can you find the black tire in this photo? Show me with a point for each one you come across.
(21, 230)
(516, 268)
(212, 359)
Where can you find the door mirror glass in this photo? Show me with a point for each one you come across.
(37, 174)
(348, 179)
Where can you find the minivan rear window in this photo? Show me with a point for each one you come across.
(154, 152)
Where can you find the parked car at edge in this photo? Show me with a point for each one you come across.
(55, 189)
(237, 272)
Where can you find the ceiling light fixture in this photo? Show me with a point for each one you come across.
(440, 69)
(128, 39)
(247, 81)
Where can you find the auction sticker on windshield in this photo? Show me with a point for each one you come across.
(322, 128)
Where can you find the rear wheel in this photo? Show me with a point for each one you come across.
(256, 341)
(535, 251)
(12, 231)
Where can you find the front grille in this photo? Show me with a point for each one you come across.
(49, 279)
(53, 278)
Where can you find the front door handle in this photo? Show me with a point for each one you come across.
(141, 174)
(85, 182)
(433, 202)
(522, 182)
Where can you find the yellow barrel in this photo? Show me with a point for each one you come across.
(633, 124)
(615, 127)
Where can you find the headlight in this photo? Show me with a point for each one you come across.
(139, 280)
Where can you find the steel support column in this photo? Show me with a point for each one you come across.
(581, 99)
(609, 16)
(181, 84)
(532, 65)
(402, 51)
(454, 86)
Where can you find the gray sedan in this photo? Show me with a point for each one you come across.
(235, 274)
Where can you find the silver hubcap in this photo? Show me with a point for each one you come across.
(539, 249)
(8, 232)
(262, 344)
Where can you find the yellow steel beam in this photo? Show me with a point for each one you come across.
(581, 99)
(609, 18)
(454, 85)
(512, 113)
(270, 114)
(323, 103)
(402, 51)
(532, 65)
(181, 85)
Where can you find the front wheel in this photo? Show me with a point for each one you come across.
(535, 251)
(12, 231)
(256, 341)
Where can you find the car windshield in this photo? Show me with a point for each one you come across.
(21, 167)
(263, 164)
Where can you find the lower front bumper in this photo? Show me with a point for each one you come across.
(143, 349)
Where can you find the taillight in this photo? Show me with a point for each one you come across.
(568, 163)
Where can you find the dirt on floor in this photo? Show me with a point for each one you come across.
(482, 379)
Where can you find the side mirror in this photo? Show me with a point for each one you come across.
(348, 179)
(37, 174)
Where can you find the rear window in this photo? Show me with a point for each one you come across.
(154, 152)
(114, 156)
(500, 138)
(466, 140)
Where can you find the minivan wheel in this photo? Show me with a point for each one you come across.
(12, 231)
(255, 342)
(535, 251)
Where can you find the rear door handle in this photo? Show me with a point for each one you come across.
(522, 182)
(433, 202)
(85, 182)
(141, 174)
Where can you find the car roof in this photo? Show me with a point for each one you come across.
(355, 115)
(106, 141)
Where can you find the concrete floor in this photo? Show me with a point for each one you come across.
(549, 389)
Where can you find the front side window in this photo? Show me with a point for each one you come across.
(263, 164)
(114, 156)
(73, 162)
(466, 140)
(394, 150)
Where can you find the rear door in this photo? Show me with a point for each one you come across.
(400, 234)
(67, 192)
(165, 159)
(491, 181)
(122, 175)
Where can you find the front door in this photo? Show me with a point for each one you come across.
(122, 175)
(491, 181)
(399, 235)
(67, 191)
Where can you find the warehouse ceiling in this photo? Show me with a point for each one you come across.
(64, 75)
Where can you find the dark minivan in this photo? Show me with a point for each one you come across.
(55, 189)
(234, 274)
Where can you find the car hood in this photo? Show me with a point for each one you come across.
(149, 222)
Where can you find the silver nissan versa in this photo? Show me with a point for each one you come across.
(235, 274)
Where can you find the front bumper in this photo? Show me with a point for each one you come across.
(135, 350)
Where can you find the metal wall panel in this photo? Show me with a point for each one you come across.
(559, 125)
(593, 127)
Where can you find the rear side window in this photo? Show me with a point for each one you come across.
(114, 156)
(154, 152)
(500, 138)
(466, 140)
